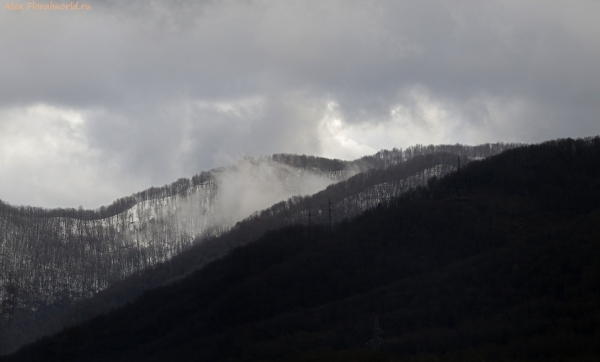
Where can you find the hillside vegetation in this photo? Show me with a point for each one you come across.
(58, 260)
(497, 261)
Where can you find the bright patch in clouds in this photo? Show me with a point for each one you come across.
(418, 119)
(339, 139)
(47, 147)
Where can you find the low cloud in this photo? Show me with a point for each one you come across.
(253, 186)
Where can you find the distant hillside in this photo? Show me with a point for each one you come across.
(61, 256)
(56, 257)
(497, 261)
(350, 198)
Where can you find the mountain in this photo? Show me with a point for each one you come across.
(498, 261)
(58, 257)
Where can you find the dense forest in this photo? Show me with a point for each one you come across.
(351, 197)
(356, 194)
(53, 258)
(496, 261)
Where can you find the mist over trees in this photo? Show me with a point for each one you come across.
(52, 258)
(497, 262)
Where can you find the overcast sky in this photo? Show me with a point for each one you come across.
(98, 104)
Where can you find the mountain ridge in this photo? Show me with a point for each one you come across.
(480, 262)
(136, 258)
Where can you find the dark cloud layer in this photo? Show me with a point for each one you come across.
(98, 104)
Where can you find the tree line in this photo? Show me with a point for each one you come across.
(54, 258)
(476, 263)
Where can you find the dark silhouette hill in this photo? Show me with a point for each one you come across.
(497, 261)
(350, 198)
(52, 261)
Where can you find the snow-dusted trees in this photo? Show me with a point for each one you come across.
(55, 257)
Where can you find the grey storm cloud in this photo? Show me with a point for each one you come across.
(101, 103)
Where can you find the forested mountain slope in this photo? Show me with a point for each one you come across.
(136, 232)
(55, 257)
(51, 258)
(386, 179)
(497, 261)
